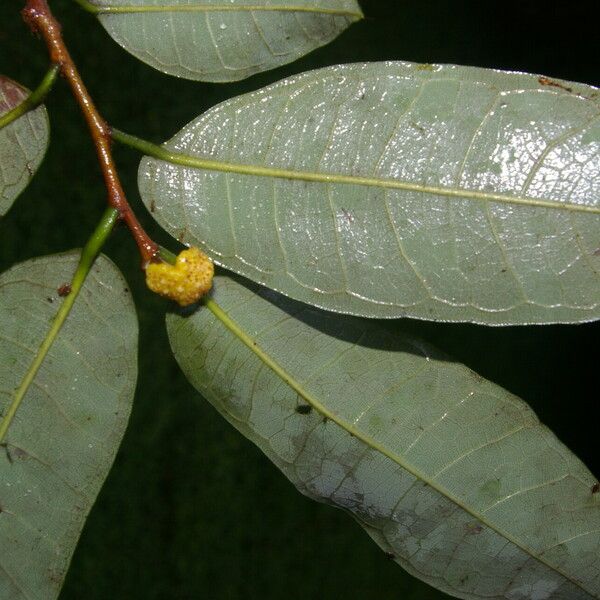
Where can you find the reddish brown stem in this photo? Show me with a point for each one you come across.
(38, 16)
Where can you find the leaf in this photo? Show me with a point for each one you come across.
(223, 40)
(449, 473)
(23, 143)
(394, 189)
(63, 438)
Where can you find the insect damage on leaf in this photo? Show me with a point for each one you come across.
(186, 281)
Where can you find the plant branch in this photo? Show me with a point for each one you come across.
(33, 100)
(88, 255)
(38, 16)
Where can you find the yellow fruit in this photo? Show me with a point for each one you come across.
(186, 281)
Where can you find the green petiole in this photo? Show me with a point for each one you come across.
(33, 100)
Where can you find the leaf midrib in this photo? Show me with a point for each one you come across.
(289, 380)
(112, 9)
(185, 160)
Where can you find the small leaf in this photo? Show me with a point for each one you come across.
(23, 143)
(64, 436)
(220, 40)
(451, 475)
(394, 189)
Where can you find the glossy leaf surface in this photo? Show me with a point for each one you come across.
(223, 40)
(388, 190)
(62, 440)
(23, 143)
(450, 474)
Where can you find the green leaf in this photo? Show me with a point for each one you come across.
(394, 189)
(449, 473)
(63, 438)
(23, 143)
(223, 40)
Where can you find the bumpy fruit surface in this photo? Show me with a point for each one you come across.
(186, 281)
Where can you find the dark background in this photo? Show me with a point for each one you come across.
(191, 509)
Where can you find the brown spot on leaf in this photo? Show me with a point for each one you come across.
(304, 409)
(14, 94)
(55, 576)
(551, 83)
(596, 488)
(64, 290)
(418, 127)
(347, 216)
(390, 556)
(152, 206)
